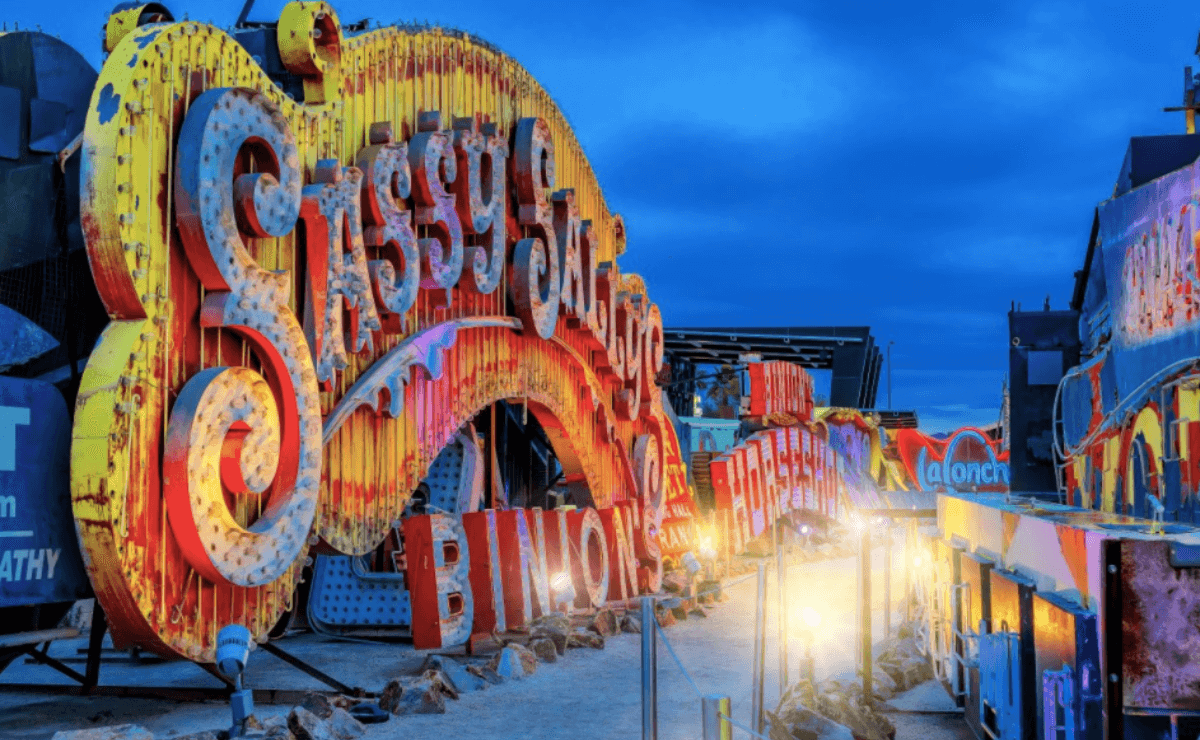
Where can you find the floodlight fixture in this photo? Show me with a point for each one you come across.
(234, 643)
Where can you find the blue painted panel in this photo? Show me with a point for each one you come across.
(1076, 397)
(1150, 271)
(39, 550)
(345, 596)
(700, 434)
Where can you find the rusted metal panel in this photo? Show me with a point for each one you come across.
(1160, 627)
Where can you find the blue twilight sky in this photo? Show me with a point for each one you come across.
(910, 166)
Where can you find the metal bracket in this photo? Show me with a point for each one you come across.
(1058, 691)
(311, 670)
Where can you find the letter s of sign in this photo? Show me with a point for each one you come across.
(536, 282)
(276, 415)
(388, 229)
(332, 214)
(430, 154)
(479, 197)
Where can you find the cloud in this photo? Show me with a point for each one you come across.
(948, 375)
(938, 318)
(649, 222)
(1005, 254)
(764, 76)
(1043, 55)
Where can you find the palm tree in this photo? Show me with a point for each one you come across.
(724, 392)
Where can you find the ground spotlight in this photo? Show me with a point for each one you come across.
(233, 652)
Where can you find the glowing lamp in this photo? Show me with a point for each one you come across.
(564, 589)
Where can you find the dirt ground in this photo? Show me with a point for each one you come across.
(586, 694)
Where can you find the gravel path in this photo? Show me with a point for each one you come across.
(586, 694)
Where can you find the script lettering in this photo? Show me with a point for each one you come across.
(283, 449)
(388, 231)
(479, 197)
(434, 166)
(536, 284)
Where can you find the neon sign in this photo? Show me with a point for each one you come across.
(780, 389)
(965, 461)
(309, 300)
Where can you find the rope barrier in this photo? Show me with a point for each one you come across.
(671, 650)
(688, 676)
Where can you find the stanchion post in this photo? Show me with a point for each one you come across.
(865, 626)
(908, 566)
(728, 549)
(781, 608)
(713, 711)
(649, 671)
(887, 581)
(717, 545)
(760, 651)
